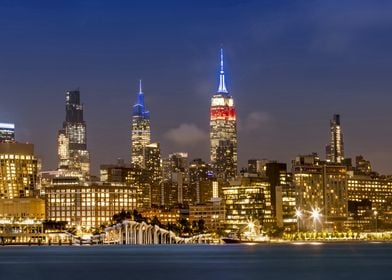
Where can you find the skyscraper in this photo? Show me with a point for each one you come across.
(72, 142)
(141, 134)
(223, 130)
(335, 149)
(7, 132)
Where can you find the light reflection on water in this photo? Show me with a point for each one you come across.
(299, 260)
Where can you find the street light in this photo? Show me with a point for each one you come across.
(375, 213)
(315, 214)
(298, 215)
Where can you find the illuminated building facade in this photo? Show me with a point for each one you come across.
(176, 172)
(321, 185)
(141, 134)
(335, 149)
(22, 209)
(88, 206)
(7, 132)
(247, 199)
(131, 175)
(366, 195)
(153, 167)
(200, 177)
(212, 213)
(18, 170)
(71, 140)
(165, 216)
(223, 130)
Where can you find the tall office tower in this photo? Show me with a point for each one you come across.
(223, 130)
(141, 134)
(18, 170)
(7, 132)
(72, 142)
(153, 167)
(335, 149)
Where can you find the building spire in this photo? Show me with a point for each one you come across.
(222, 85)
(140, 86)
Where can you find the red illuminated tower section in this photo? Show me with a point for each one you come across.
(223, 130)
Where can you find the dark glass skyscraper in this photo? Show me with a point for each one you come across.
(335, 149)
(72, 142)
(223, 130)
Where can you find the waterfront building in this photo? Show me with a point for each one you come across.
(88, 205)
(369, 198)
(211, 212)
(321, 186)
(141, 131)
(223, 130)
(18, 170)
(20, 209)
(335, 149)
(164, 215)
(71, 139)
(247, 199)
(7, 132)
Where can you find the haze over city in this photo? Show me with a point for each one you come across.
(289, 67)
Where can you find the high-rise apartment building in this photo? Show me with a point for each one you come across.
(321, 186)
(141, 134)
(7, 132)
(72, 141)
(223, 130)
(248, 199)
(18, 170)
(335, 149)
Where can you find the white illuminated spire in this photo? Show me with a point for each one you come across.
(140, 86)
(222, 85)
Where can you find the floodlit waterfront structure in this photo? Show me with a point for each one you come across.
(223, 130)
(71, 139)
(141, 131)
(7, 132)
(335, 149)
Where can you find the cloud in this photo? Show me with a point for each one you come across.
(186, 134)
(256, 120)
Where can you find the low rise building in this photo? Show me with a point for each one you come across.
(88, 205)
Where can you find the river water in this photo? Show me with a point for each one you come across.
(190, 262)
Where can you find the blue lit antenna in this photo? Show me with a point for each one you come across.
(222, 85)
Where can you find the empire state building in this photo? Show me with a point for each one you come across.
(223, 130)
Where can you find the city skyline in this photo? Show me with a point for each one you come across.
(284, 100)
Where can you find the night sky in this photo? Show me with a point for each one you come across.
(290, 65)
